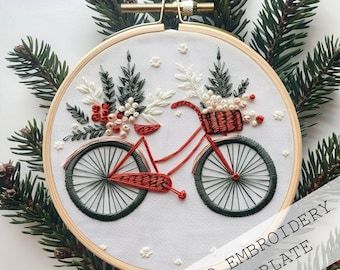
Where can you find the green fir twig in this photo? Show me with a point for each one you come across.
(39, 68)
(111, 19)
(322, 166)
(29, 145)
(87, 132)
(108, 89)
(78, 114)
(280, 30)
(312, 85)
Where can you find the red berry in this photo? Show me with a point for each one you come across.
(105, 106)
(104, 119)
(252, 97)
(105, 112)
(120, 115)
(95, 108)
(116, 129)
(95, 117)
(259, 119)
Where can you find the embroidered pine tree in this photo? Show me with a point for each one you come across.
(108, 89)
(131, 84)
(220, 81)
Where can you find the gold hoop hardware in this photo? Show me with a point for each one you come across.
(185, 8)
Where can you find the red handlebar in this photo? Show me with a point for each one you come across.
(187, 104)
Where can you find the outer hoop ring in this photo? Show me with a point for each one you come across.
(132, 32)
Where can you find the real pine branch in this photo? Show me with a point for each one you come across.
(229, 15)
(38, 67)
(312, 85)
(32, 206)
(29, 145)
(322, 166)
(280, 30)
(108, 89)
(78, 114)
(111, 19)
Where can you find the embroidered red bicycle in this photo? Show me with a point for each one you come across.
(108, 179)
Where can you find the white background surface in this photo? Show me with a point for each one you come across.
(68, 27)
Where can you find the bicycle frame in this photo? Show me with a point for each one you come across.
(154, 162)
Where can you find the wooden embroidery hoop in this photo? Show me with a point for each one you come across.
(153, 28)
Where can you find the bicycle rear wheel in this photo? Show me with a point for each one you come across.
(246, 196)
(91, 190)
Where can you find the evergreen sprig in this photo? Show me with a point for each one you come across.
(111, 19)
(34, 208)
(131, 83)
(39, 68)
(311, 85)
(87, 132)
(322, 166)
(108, 89)
(229, 15)
(280, 30)
(29, 145)
(78, 114)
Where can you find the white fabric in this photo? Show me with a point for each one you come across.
(170, 227)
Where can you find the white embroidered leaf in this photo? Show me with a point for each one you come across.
(91, 92)
(148, 118)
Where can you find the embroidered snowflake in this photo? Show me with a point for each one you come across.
(178, 262)
(58, 145)
(145, 252)
(103, 247)
(213, 251)
(155, 62)
(278, 115)
(183, 48)
(178, 113)
(285, 153)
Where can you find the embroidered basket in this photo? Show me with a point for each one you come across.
(221, 122)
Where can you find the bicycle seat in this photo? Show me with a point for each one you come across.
(146, 129)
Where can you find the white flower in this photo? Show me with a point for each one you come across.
(213, 251)
(278, 115)
(178, 113)
(145, 252)
(58, 145)
(103, 247)
(178, 262)
(155, 62)
(285, 153)
(75, 126)
(183, 48)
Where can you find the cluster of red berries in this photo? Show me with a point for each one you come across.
(100, 113)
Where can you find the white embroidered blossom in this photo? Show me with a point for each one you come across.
(213, 251)
(145, 252)
(58, 145)
(178, 262)
(92, 93)
(75, 126)
(178, 113)
(155, 62)
(285, 153)
(103, 247)
(183, 48)
(278, 115)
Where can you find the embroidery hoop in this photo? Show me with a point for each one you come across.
(152, 28)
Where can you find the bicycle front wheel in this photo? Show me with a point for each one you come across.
(90, 189)
(251, 192)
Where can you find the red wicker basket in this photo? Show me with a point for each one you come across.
(221, 122)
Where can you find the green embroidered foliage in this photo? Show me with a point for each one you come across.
(77, 114)
(280, 30)
(108, 89)
(131, 83)
(39, 68)
(322, 166)
(29, 144)
(111, 18)
(229, 15)
(89, 131)
(311, 86)
(220, 82)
